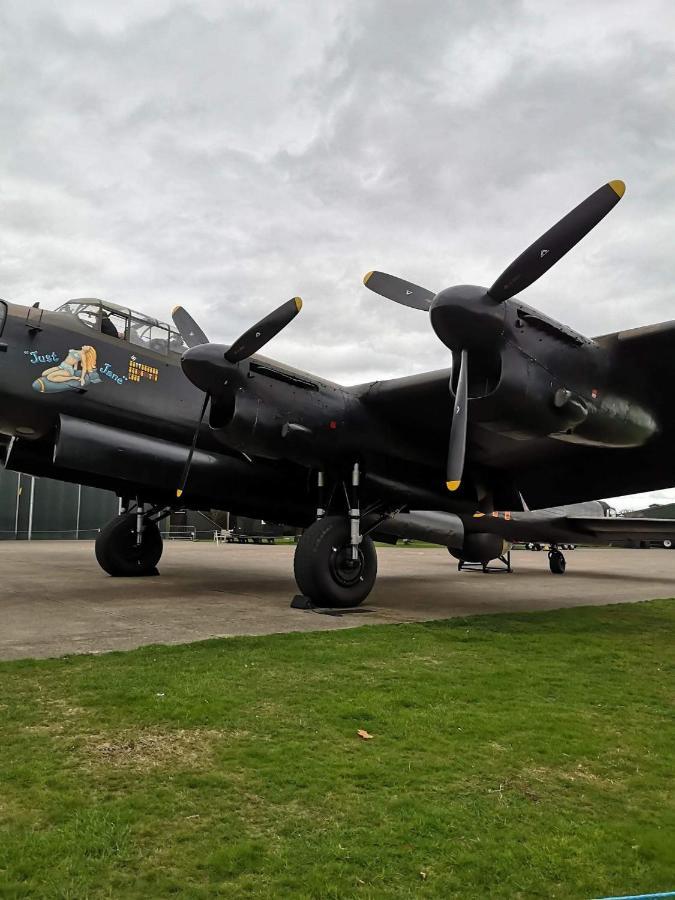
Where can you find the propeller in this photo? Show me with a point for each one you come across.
(263, 331)
(250, 341)
(188, 461)
(246, 345)
(529, 266)
(457, 446)
(187, 327)
(404, 292)
(467, 316)
(556, 242)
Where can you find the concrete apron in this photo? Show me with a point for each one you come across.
(55, 600)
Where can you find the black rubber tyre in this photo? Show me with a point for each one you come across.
(556, 562)
(322, 566)
(117, 552)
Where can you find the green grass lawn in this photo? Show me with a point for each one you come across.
(512, 756)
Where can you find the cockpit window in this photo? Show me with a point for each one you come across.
(86, 313)
(155, 335)
(176, 343)
(159, 339)
(116, 321)
(149, 334)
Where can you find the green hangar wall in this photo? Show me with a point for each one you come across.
(43, 509)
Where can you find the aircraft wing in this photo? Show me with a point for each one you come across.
(560, 524)
(584, 523)
(546, 472)
(624, 527)
(652, 344)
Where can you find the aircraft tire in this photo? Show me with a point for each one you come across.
(321, 568)
(117, 553)
(556, 562)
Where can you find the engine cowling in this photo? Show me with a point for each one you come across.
(281, 427)
(527, 401)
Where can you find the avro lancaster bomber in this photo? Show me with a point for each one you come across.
(513, 441)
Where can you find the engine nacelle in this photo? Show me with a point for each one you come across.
(528, 401)
(130, 463)
(310, 432)
(281, 421)
(248, 424)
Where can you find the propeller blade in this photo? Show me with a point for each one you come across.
(555, 243)
(256, 337)
(457, 447)
(403, 292)
(188, 461)
(187, 327)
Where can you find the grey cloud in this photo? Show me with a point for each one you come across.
(229, 156)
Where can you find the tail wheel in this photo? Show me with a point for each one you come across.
(118, 552)
(324, 569)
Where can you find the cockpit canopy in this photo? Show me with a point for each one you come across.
(125, 324)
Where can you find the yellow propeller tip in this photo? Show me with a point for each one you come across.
(452, 485)
(298, 303)
(179, 493)
(173, 311)
(366, 277)
(618, 187)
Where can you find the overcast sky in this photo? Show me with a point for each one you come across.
(228, 156)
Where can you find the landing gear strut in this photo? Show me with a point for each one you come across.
(335, 565)
(131, 545)
(556, 561)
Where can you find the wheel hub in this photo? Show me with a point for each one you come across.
(345, 570)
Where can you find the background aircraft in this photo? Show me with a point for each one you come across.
(532, 416)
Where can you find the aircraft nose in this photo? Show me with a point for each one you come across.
(205, 366)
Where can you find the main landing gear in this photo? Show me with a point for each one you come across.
(325, 569)
(335, 565)
(131, 545)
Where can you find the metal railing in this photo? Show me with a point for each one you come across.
(181, 533)
(38, 534)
